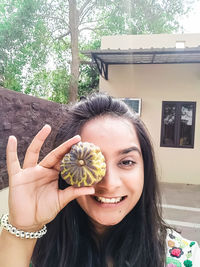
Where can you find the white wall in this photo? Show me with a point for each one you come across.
(3, 201)
(149, 41)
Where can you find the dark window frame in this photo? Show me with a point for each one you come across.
(178, 105)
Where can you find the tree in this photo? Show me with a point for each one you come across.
(34, 31)
(23, 39)
(142, 17)
(74, 17)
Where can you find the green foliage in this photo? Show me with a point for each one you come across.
(60, 85)
(51, 85)
(23, 41)
(12, 81)
(141, 17)
(89, 80)
(89, 75)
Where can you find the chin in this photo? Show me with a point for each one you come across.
(106, 222)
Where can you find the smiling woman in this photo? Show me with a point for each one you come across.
(120, 189)
(115, 223)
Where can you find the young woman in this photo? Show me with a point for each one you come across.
(116, 223)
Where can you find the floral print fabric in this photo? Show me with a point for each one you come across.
(181, 252)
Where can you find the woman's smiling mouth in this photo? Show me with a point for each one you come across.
(111, 200)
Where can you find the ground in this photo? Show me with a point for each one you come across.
(181, 208)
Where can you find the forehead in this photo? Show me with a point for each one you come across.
(110, 132)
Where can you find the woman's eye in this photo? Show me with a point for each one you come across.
(127, 163)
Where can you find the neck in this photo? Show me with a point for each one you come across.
(99, 229)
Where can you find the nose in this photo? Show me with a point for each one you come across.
(111, 181)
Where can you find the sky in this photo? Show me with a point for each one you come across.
(191, 23)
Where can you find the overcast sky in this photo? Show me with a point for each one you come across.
(191, 23)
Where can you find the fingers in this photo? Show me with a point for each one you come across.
(13, 164)
(71, 193)
(33, 151)
(54, 157)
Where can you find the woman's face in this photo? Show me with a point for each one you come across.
(120, 189)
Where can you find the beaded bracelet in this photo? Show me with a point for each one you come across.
(20, 233)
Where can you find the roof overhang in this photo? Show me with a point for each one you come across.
(104, 58)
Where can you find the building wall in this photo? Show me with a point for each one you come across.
(4, 201)
(148, 41)
(154, 84)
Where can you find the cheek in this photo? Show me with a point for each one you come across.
(135, 180)
(136, 188)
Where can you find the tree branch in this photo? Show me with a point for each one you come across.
(59, 19)
(82, 16)
(62, 36)
(51, 3)
(85, 4)
(85, 62)
(64, 42)
(86, 22)
(86, 12)
(91, 29)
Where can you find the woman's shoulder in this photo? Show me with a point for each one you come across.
(181, 252)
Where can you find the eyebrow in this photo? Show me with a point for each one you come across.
(130, 149)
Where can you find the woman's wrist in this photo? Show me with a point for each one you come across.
(4, 222)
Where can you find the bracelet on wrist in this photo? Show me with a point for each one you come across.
(20, 233)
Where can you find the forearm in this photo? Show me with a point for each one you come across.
(15, 252)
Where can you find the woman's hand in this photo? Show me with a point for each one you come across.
(34, 197)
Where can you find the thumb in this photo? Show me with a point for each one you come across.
(71, 193)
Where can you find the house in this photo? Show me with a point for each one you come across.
(159, 75)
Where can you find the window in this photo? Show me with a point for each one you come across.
(180, 44)
(178, 121)
(134, 103)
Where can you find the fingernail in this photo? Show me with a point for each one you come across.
(47, 125)
(11, 137)
(77, 136)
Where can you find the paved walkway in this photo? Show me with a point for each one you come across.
(181, 208)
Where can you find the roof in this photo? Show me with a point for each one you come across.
(104, 58)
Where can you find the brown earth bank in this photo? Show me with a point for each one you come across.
(23, 116)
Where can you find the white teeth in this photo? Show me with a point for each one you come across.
(109, 200)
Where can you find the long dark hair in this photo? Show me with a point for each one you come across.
(138, 240)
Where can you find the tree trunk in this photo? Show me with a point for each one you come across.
(74, 32)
